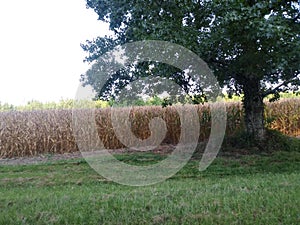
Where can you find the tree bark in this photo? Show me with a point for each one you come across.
(254, 110)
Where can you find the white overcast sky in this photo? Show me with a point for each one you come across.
(40, 53)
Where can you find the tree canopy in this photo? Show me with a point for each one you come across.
(252, 46)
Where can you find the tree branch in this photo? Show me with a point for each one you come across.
(274, 90)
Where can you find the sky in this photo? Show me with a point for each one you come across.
(40, 54)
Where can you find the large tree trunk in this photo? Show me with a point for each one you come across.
(254, 110)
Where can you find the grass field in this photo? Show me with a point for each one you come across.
(253, 189)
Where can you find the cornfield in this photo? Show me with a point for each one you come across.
(284, 116)
(50, 131)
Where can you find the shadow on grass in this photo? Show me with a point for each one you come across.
(230, 162)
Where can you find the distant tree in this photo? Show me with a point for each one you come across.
(252, 46)
(6, 107)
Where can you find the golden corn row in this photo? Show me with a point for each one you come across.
(50, 131)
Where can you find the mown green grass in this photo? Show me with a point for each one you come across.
(257, 189)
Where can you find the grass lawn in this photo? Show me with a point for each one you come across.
(256, 189)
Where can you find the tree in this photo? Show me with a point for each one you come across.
(252, 46)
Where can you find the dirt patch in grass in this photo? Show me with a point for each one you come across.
(48, 158)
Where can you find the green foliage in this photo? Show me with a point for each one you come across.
(152, 101)
(62, 104)
(6, 107)
(240, 40)
(253, 47)
(155, 101)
